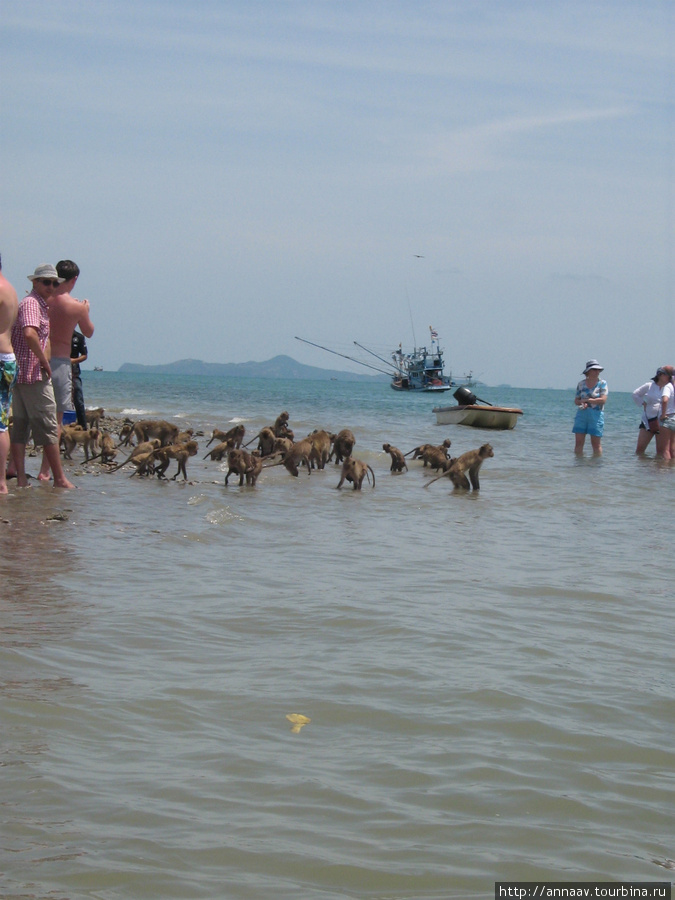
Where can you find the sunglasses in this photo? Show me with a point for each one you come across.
(48, 282)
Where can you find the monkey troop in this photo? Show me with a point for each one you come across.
(158, 443)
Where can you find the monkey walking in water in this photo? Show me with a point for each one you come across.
(398, 463)
(467, 464)
(427, 451)
(145, 452)
(354, 471)
(180, 452)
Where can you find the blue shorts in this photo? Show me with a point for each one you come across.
(589, 421)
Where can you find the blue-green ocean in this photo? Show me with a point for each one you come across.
(489, 676)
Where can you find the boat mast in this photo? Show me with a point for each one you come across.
(412, 324)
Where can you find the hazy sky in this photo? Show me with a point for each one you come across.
(231, 173)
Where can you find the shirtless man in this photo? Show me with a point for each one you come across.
(33, 406)
(9, 307)
(65, 312)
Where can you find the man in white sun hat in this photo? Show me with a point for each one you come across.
(33, 403)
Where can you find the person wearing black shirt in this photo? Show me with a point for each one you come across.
(78, 354)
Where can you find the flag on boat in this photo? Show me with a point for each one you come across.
(434, 333)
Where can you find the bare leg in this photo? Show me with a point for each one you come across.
(579, 440)
(4, 453)
(19, 460)
(51, 451)
(43, 474)
(663, 443)
(595, 444)
(643, 441)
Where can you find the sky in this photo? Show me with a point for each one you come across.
(231, 174)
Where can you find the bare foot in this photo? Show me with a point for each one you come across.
(63, 484)
(43, 477)
(3, 489)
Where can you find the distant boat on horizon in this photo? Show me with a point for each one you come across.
(98, 368)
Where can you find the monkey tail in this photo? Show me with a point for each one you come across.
(442, 475)
(373, 474)
(119, 465)
(279, 462)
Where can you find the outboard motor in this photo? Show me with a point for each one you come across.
(464, 397)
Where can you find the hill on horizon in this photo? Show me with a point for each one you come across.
(277, 367)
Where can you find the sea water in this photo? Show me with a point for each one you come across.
(489, 675)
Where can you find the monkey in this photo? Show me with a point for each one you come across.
(266, 439)
(320, 441)
(343, 444)
(179, 452)
(432, 455)
(419, 452)
(355, 471)
(146, 429)
(94, 416)
(436, 459)
(220, 450)
(280, 427)
(300, 452)
(126, 433)
(234, 435)
(140, 450)
(282, 445)
(398, 463)
(239, 462)
(88, 440)
(469, 462)
(144, 462)
(108, 451)
(254, 470)
(184, 436)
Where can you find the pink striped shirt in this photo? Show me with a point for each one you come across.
(33, 311)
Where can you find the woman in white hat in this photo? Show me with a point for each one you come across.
(590, 397)
(648, 396)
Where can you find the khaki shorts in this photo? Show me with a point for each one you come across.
(34, 410)
(62, 379)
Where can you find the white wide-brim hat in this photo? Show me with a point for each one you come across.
(46, 271)
(593, 364)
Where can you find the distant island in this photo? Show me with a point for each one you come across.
(277, 367)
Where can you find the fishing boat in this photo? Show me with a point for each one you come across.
(421, 370)
(476, 413)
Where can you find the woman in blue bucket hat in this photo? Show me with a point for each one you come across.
(590, 397)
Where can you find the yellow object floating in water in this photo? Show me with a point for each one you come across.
(298, 721)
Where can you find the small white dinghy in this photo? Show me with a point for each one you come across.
(476, 413)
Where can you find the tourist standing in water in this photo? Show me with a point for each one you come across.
(65, 312)
(665, 442)
(590, 397)
(34, 406)
(648, 396)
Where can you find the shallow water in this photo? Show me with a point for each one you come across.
(489, 676)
